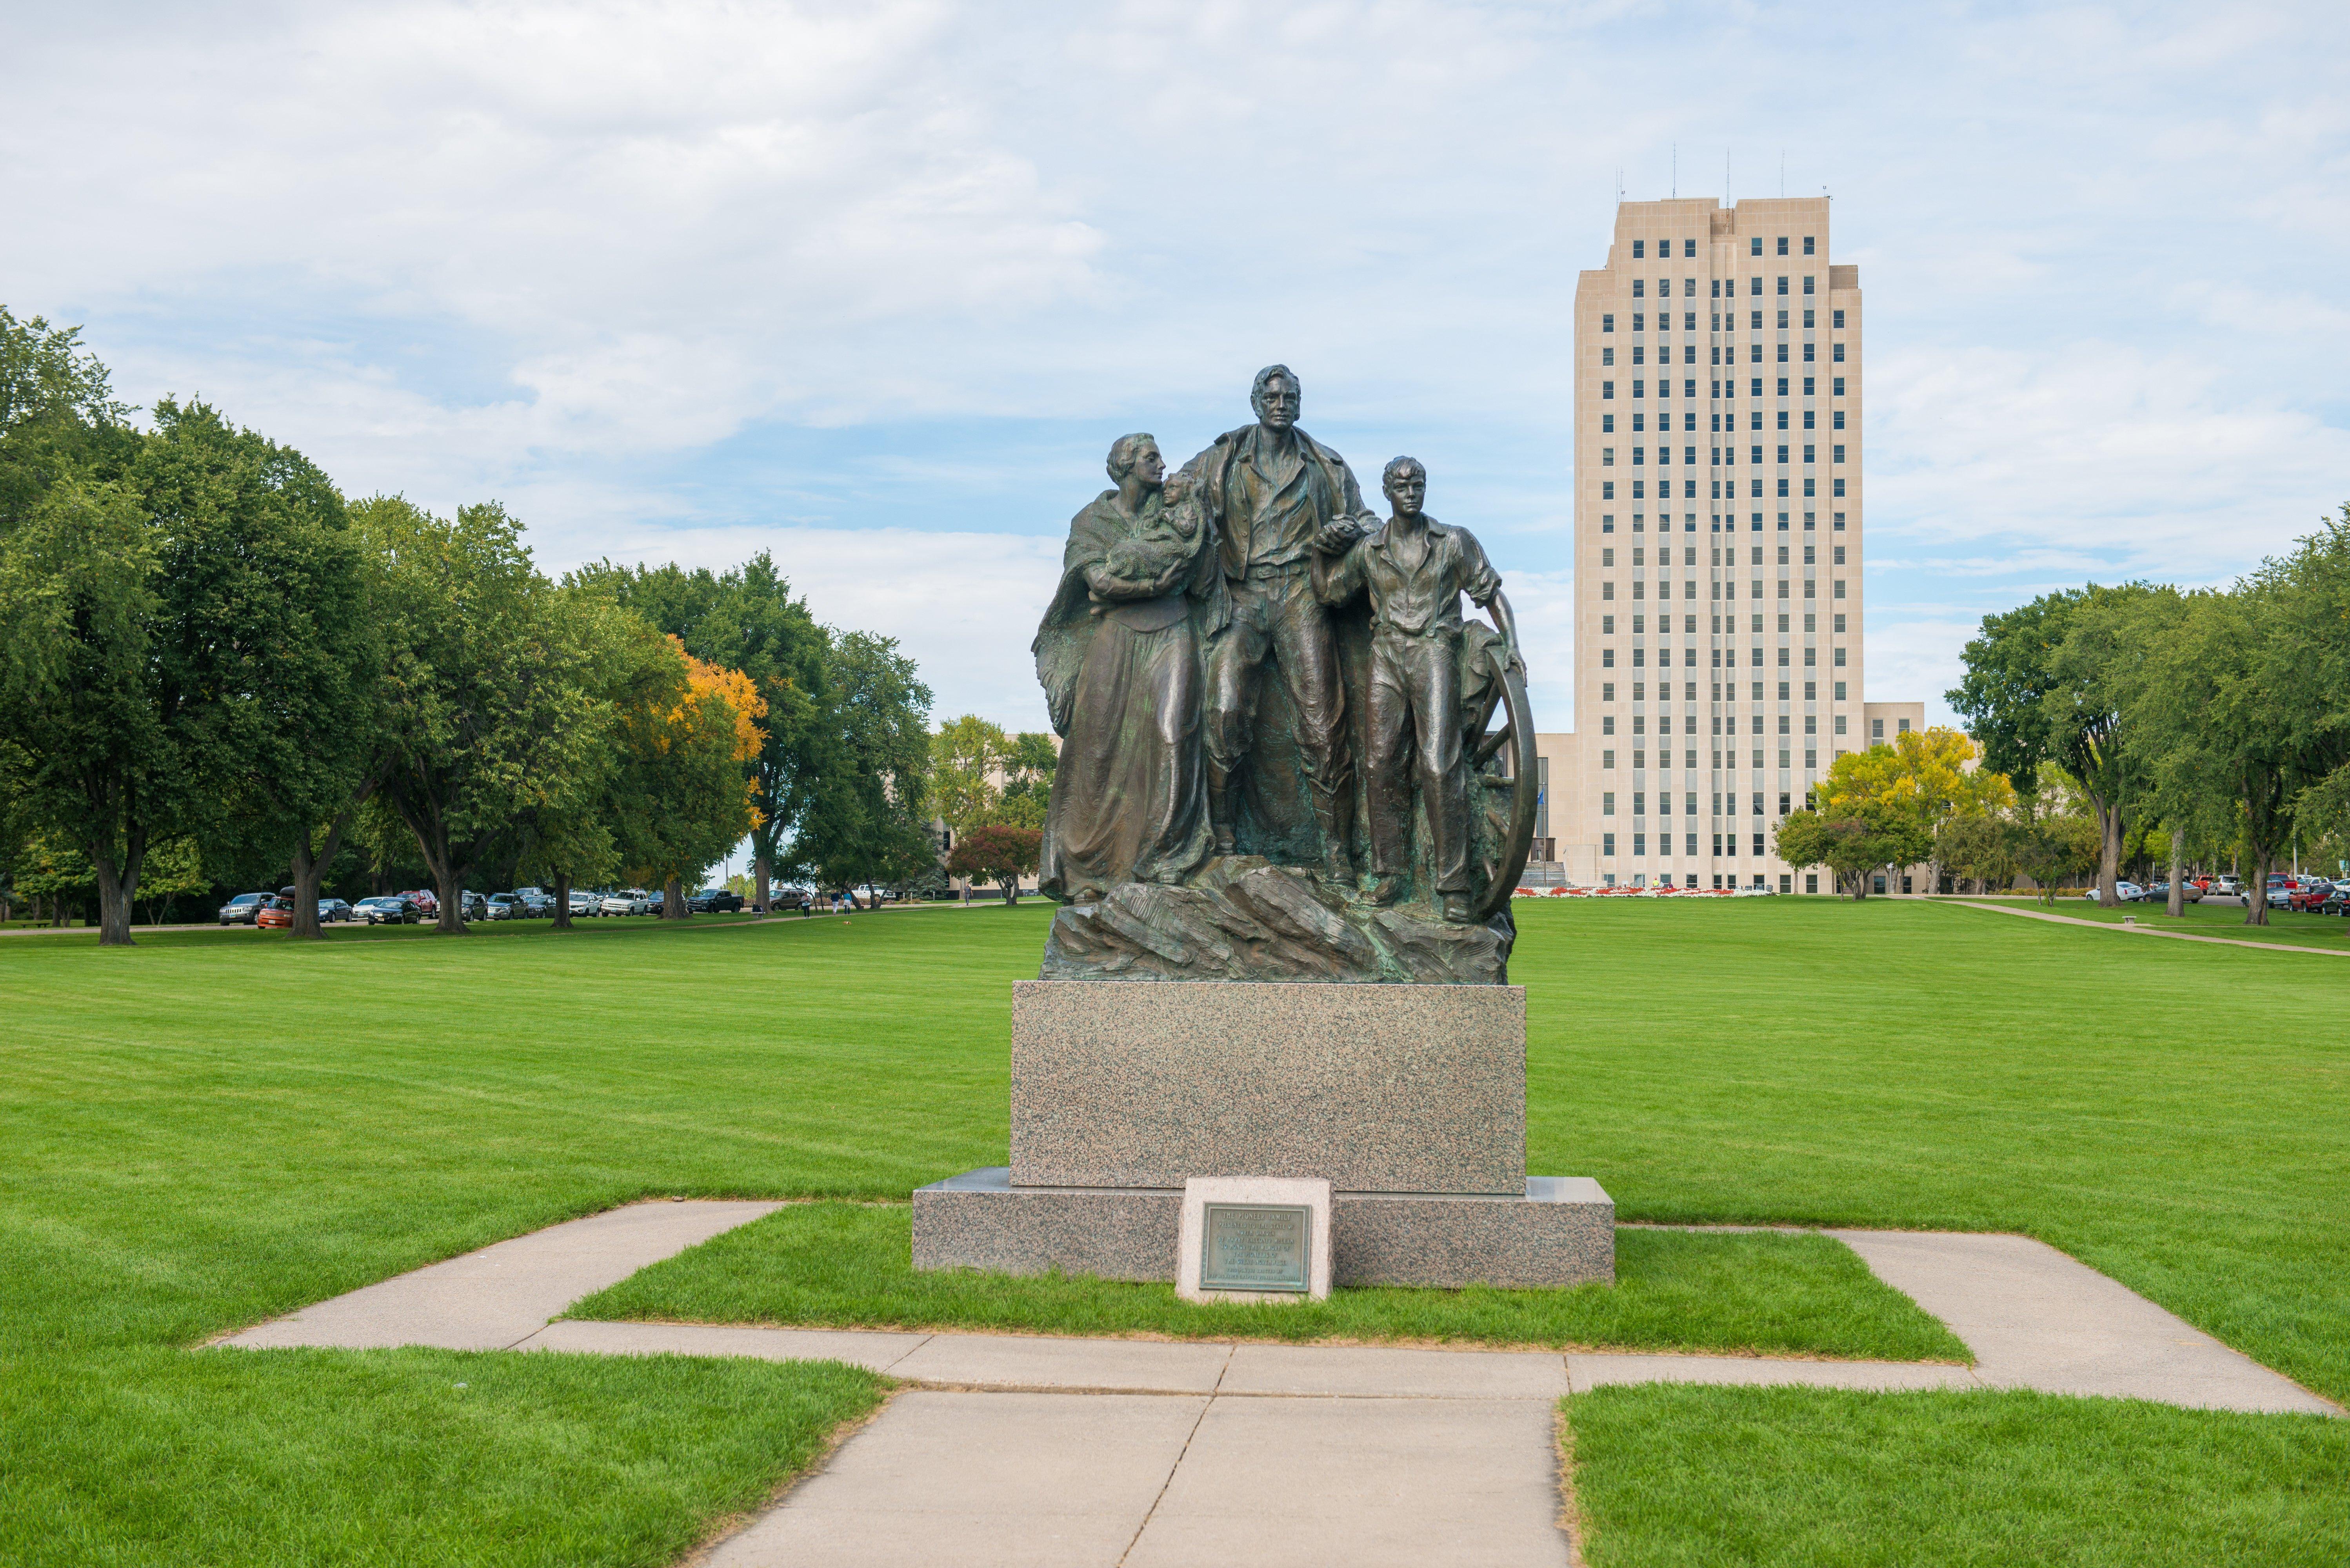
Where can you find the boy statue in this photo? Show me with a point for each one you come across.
(1415, 570)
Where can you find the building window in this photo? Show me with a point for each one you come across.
(1783, 285)
(1607, 590)
(1607, 848)
(1876, 728)
(1640, 249)
(1608, 388)
(1608, 658)
(1754, 248)
(1839, 652)
(1608, 355)
(1839, 718)
(1839, 593)
(1607, 692)
(1607, 724)
(1808, 353)
(1637, 387)
(1756, 356)
(1782, 353)
(1811, 485)
(1640, 845)
(1810, 724)
(1782, 251)
(1808, 383)
(1688, 252)
(1838, 449)
(1607, 556)
(1606, 490)
(1782, 487)
(1807, 246)
(1608, 322)
(1835, 352)
(1639, 287)
(1837, 387)
(1607, 759)
(1607, 629)
(1901, 726)
(1839, 484)
(1640, 355)
(1758, 855)
(1839, 689)
(1608, 803)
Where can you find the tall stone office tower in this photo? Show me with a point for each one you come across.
(1719, 532)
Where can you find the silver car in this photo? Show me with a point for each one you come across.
(628, 901)
(584, 903)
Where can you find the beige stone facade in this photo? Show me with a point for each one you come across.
(1718, 526)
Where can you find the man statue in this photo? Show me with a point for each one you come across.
(1415, 570)
(1273, 490)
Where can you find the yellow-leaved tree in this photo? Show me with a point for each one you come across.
(1883, 806)
(682, 799)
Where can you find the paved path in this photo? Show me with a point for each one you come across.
(2147, 930)
(1110, 1453)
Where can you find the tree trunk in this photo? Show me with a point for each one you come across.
(2109, 852)
(2176, 905)
(2256, 888)
(116, 885)
(672, 899)
(562, 902)
(759, 872)
(451, 892)
(308, 870)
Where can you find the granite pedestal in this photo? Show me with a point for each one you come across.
(1410, 1100)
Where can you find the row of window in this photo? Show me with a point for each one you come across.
(1689, 591)
(1688, 726)
(1665, 627)
(1722, 760)
(1719, 320)
(1721, 422)
(1723, 390)
(1665, 688)
(1688, 454)
(1723, 287)
(1721, 524)
(1688, 247)
(1723, 489)
(1728, 356)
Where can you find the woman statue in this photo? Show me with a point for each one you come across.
(1120, 663)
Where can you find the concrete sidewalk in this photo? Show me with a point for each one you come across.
(1112, 1453)
(2055, 918)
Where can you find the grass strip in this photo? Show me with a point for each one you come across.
(1687, 1477)
(232, 1457)
(845, 1265)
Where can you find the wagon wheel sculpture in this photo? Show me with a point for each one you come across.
(1506, 783)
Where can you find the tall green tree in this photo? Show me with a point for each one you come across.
(176, 638)
(869, 819)
(2040, 687)
(747, 618)
(967, 757)
(491, 701)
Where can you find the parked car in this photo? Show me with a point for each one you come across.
(424, 899)
(715, 901)
(2310, 894)
(389, 909)
(273, 913)
(333, 910)
(536, 904)
(2128, 892)
(242, 909)
(1758, 892)
(584, 903)
(503, 906)
(628, 902)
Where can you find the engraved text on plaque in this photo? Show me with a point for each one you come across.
(1256, 1247)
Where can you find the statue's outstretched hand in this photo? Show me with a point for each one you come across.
(1337, 536)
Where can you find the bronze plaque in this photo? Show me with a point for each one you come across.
(1256, 1247)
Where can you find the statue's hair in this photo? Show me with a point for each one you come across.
(1396, 465)
(1264, 378)
(1125, 451)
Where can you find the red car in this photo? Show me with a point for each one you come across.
(274, 912)
(2309, 894)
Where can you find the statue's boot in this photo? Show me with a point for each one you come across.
(1220, 816)
(1337, 859)
(1455, 908)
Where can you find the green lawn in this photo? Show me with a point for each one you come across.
(848, 1265)
(219, 1126)
(1823, 1477)
(2330, 932)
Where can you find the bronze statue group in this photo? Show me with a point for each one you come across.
(1226, 643)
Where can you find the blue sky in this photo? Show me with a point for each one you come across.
(874, 285)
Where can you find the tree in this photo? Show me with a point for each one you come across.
(1979, 848)
(491, 704)
(176, 634)
(997, 852)
(2040, 687)
(868, 821)
(745, 618)
(683, 800)
(2052, 845)
(1028, 763)
(175, 869)
(1890, 801)
(966, 755)
(1850, 847)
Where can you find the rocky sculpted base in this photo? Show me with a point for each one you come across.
(1245, 918)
